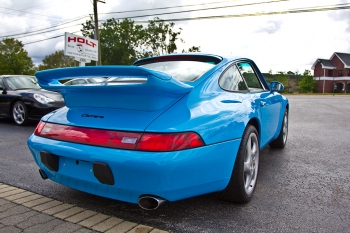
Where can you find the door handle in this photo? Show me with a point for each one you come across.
(262, 103)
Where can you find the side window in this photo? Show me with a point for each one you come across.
(250, 77)
(232, 80)
(1, 83)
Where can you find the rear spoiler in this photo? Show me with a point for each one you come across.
(157, 92)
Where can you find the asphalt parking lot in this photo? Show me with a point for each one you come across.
(302, 188)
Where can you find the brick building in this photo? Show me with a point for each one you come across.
(333, 75)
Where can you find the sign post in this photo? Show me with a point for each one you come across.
(82, 61)
(83, 49)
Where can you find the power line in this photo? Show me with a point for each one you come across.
(7, 13)
(205, 9)
(148, 15)
(177, 12)
(46, 39)
(170, 7)
(164, 13)
(28, 12)
(290, 11)
(293, 11)
(38, 5)
(43, 29)
(47, 31)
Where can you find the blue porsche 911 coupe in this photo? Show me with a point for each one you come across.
(163, 129)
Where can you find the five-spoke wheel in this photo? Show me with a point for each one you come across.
(19, 113)
(245, 172)
(251, 163)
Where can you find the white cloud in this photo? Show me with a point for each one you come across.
(270, 27)
(59, 45)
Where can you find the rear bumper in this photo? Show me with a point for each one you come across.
(170, 175)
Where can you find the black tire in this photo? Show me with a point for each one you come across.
(281, 141)
(244, 176)
(20, 113)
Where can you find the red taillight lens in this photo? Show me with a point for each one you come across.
(120, 139)
(39, 127)
(96, 137)
(169, 142)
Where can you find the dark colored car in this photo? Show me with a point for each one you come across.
(22, 99)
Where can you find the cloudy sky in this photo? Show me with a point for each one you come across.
(258, 29)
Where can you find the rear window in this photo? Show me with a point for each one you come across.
(184, 68)
(184, 71)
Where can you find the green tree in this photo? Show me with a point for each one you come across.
(193, 49)
(120, 41)
(14, 58)
(269, 76)
(161, 37)
(56, 60)
(283, 78)
(123, 42)
(307, 84)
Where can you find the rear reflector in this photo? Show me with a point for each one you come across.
(120, 139)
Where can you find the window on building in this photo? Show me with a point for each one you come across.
(340, 73)
(348, 72)
(330, 73)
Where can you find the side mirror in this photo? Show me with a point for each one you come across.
(276, 86)
(3, 90)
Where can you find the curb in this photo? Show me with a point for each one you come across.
(25, 211)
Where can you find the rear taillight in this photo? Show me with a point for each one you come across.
(39, 127)
(96, 137)
(169, 142)
(120, 139)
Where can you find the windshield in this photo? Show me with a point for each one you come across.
(22, 82)
(184, 71)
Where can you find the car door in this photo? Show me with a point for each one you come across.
(2, 97)
(270, 102)
(6, 96)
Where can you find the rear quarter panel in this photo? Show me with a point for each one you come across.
(215, 114)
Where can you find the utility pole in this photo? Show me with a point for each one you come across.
(97, 35)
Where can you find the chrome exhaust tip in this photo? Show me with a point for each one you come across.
(42, 174)
(150, 202)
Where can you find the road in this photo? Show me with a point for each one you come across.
(302, 188)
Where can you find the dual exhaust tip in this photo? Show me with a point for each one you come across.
(146, 202)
